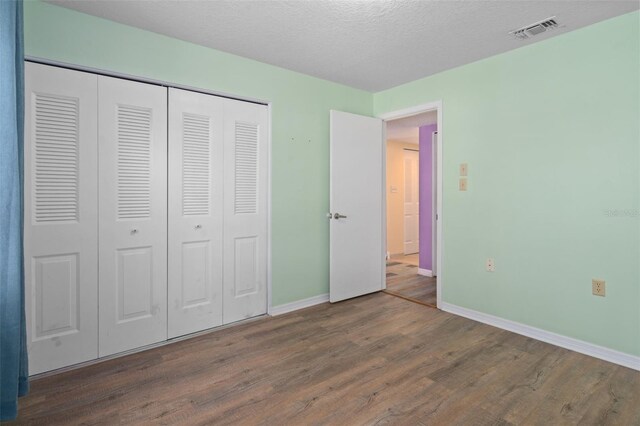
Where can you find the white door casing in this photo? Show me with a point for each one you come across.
(434, 198)
(357, 178)
(245, 210)
(411, 202)
(60, 217)
(132, 214)
(195, 212)
(407, 112)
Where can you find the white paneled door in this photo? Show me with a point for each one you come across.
(245, 210)
(146, 214)
(133, 214)
(60, 217)
(411, 202)
(195, 212)
(356, 227)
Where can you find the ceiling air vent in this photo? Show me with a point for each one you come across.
(535, 28)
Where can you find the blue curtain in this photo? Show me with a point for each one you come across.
(13, 343)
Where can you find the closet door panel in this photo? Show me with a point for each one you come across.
(60, 217)
(245, 210)
(195, 212)
(133, 214)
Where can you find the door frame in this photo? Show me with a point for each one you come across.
(434, 212)
(408, 112)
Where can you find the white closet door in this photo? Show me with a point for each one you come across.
(133, 214)
(60, 217)
(195, 212)
(245, 210)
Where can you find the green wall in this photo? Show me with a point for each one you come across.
(300, 122)
(551, 133)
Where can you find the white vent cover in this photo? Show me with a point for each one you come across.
(535, 28)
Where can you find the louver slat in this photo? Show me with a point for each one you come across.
(195, 165)
(246, 168)
(55, 166)
(134, 162)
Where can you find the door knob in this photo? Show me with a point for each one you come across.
(198, 226)
(134, 231)
(339, 216)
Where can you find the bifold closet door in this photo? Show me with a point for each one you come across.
(60, 217)
(195, 212)
(245, 210)
(132, 214)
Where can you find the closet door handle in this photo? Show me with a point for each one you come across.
(198, 226)
(134, 231)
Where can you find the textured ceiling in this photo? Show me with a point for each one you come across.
(371, 45)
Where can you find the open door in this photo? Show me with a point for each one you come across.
(356, 201)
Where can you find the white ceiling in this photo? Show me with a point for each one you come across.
(371, 45)
(406, 129)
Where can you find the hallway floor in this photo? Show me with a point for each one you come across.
(403, 281)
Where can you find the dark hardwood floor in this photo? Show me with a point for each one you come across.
(403, 280)
(377, 359)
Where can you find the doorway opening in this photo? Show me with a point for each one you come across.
(413, 204)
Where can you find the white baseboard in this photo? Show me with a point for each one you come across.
(299, 304)
(425, 272)
(616, 357)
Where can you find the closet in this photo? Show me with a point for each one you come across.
(145, 214)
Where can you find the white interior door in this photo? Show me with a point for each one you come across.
(411, 202)
(357, 178)
(245, 210)
(195, 212)
(60, 217)
(132, 214)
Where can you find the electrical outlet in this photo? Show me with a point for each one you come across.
(598, 287)
(463, 184)
(490, 265)
(463, 169)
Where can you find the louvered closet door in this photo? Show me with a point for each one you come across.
(245, 210)
(195, 212)
(133, 214)
(60, 217)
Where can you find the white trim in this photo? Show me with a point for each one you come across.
(434, 202)
(269, 206)
(125, 76)
(383, 216)
(407, 112)
(425, 272)
(299, 304)
(596, 351)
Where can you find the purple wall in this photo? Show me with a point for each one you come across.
(426, 202)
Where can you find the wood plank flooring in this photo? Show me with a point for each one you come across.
(377, 359)
(403, 280)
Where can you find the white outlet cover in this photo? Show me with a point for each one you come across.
(490, 265)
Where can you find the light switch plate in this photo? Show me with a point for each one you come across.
(463, 184)
(463, 169)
